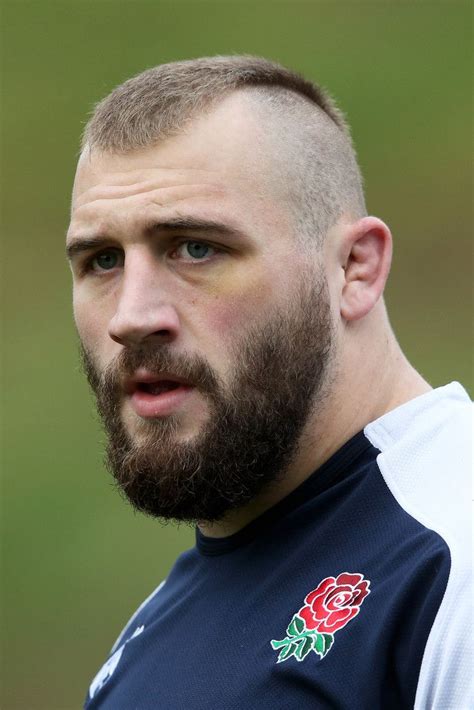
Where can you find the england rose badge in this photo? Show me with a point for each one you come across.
(327, 609)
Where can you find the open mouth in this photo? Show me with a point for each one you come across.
(156, 388)
(157, 396)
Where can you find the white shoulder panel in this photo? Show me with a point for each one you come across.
(426, 461)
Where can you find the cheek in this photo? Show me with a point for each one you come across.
(226, 318)
(92, 327)
(223, 321)
(233, 307)
(85, 319)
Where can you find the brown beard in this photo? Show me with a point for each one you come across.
(255, 423)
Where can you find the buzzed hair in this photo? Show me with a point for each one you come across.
(308, 138)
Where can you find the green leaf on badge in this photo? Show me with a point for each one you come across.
(278, 644)
(286, 652)
(328, 642)
(304, 648)
(296, 626)
(319, 644)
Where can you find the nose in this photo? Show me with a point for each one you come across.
(144, 310)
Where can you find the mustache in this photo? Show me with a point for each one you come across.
(188, 366)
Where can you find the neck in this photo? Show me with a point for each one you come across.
(369, 382)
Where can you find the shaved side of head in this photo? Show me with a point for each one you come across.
(313, 166)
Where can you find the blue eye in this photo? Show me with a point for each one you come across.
(193, 252)
(197, 250)
(106, 260)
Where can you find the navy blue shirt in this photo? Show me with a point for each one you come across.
(325, 601)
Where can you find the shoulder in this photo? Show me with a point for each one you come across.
(426, 461)
(426, 456)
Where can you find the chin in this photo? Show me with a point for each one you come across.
(181, 428)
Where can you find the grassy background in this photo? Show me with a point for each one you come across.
(76, 561)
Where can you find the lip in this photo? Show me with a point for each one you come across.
(149, 405)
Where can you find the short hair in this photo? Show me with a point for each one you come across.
(308, 135)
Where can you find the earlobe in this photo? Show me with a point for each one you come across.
(366, 264)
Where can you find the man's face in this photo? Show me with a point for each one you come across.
(205, 326)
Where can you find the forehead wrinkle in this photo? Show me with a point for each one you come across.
(136, 179)
(161, 197)
(90, 179)
(143, 162)
(105, 216)
(129, 177)
(106, 192)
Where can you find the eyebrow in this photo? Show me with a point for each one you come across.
(82, 244)
(195, 224)
(79, 245)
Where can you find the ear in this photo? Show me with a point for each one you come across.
(366, 255)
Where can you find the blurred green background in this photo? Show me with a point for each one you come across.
(76, 561)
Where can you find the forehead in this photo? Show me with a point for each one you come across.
(216, 168)
(222, 147)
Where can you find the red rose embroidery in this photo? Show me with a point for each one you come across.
(334, 603)
(327, 609)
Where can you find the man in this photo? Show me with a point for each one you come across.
(228, 292)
